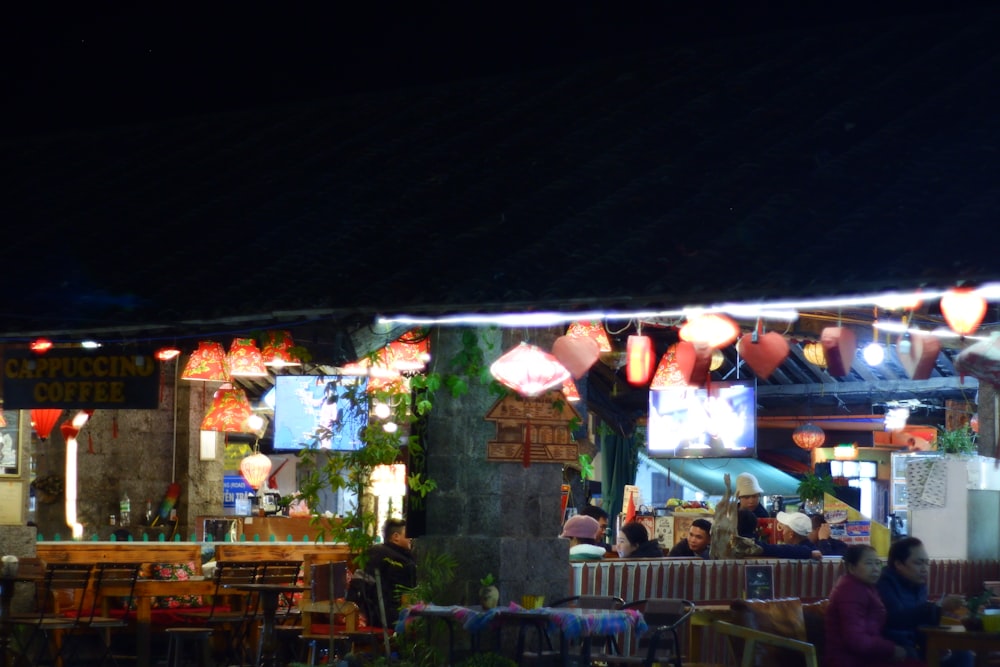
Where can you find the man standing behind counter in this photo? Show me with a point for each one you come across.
(697, 542)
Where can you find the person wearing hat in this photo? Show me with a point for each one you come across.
(582, 533)
(793, 530)
(748, 493)
(820, 536)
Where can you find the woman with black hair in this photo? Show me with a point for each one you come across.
(634, 542)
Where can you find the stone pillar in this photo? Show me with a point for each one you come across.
(494, 518)
(986, 442)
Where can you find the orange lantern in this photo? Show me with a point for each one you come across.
(963, 310)
(529, 370)
(43, 420)
(277, 350)
(713, 330)
(207, 363)
(639, 352)
(813, 352)
(808, 436)
(229, 412)
(244, 359)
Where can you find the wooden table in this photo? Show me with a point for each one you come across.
(143, 594)
(269, 594)
(576, 623)
(957, 638)
(700, 631)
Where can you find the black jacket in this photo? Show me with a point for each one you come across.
(648, 549)
(397, 567)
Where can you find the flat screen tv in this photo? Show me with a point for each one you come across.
(319, 411)
(700, 422)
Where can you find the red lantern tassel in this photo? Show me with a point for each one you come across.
(114, 426)
(526, 452)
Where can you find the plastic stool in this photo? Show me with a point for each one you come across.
(194, 639)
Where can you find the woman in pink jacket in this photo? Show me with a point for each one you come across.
(855, 617)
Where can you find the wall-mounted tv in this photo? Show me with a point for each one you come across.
(701, 422)
(320, 411)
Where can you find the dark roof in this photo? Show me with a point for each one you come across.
(836, 159)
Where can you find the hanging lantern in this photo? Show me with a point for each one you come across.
(974, 423)
(207, 363)
(591, 329)
(3, 420)
(403, 355)
(570, 391)
(244, 359)
(576, 353)
(813, 352)
(963, 310)
(683, 364)
(766, 354)
(277, 350)
(712, 329)
(230, 411)
(809, 436)
(71, 427)
(839, 347)
(255, 469)
(529, 370)
(167, 353)
(717, 360)
(639, 366)
(43, 420)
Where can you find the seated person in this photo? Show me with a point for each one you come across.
(793, 533)
(749, 493)
(602, 521)
(582, 534)
(397, 567)
(820, 536)
(697, 543)
(634, 542)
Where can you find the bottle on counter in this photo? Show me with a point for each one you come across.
(149, 512)
(125, 510)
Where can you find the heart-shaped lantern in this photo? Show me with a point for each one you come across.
(918, 361)
(576, 353)
(839, 345)
(765, 355)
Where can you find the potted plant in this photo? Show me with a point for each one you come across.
(489, 594)
(960, 441)
(811, 489)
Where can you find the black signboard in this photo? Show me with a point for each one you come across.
(760, 582)
(77, 378)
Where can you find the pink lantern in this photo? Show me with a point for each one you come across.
(839, 347)
(529, 370)
(639, 365)
(255, 469)
(576, 353)
(764, 356)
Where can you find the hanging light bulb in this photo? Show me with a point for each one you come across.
(874, 353)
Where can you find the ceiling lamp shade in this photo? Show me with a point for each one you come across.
(766, 354)
(207, 363)
(277, 352)
(43, 420)
(639, 366)
(591, 329)
(813, 352)
(577, 353)
(570, 391)
(529, 370)
(255, 469)
(963, 310)
(839, 347)
(682, 365)
(713, 330)
(230, 411)
(808, 436)
(244, 359)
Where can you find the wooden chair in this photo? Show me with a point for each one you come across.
(59, 602)
(228, 620)
(661, 642)
(752, 639)
(117, 576)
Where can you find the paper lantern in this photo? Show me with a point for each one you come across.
(402, 355)
(570, 391)
(255, 469)
(974, 423)
(713, 330)
(591, 329)
(766, 354)
(529, 370)
(813, 352)
(43, 420)
(577, 353)
(277, 350)
(808, 436)
(839, 347)
(230, 411)
(981, 360)
(963, 310)
(683, 364)
(920, 356)
(244, 359)
(207, 363)
(639, 366)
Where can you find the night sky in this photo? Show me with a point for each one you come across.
(94, 66)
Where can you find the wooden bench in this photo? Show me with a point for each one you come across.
(120, 552)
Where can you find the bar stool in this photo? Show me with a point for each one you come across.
(195, 641)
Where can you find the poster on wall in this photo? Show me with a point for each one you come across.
(10, 445)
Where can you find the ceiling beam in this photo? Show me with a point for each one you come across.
(846, 390)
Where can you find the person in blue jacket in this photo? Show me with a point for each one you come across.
(903, 589)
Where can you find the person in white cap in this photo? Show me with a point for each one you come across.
(793, 529)
(748, 492)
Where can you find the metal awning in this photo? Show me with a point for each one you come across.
(708, 475)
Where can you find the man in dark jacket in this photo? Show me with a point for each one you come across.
(697, 543)
(397, 567)
(820, 536)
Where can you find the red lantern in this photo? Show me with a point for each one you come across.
(207, 363)
(963, 310)
(529, 370)
(576, 353)
(809, 436)
(43, 420)
(683, 364)
(765, 355)
(591, 329)
(277, 350)
(229, 412)
(244, 359)
(639, 351)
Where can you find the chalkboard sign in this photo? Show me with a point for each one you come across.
(759, 582)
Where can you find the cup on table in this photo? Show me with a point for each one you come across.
(532, 601)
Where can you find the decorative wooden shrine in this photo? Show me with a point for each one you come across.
(545, 421)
